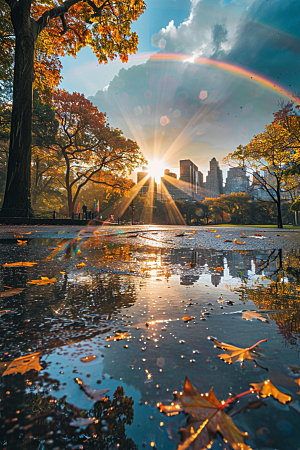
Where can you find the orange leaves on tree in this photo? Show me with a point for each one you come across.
(236, 353)
(43, 281)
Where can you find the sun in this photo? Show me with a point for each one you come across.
(156, 168)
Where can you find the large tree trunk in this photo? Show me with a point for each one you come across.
(17, 192)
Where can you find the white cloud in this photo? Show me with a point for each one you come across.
(194, 36)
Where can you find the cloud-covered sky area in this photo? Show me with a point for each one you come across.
(180, 108)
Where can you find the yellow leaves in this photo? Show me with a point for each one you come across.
(237, 242)
(187, 319)
(80, 265)
(118, 336)
(267, 389)
(235, 353)
(43, 281)
(250, 315)
(218, 236)
(19, 264)
(24, 364)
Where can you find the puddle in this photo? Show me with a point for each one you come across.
(117, 323)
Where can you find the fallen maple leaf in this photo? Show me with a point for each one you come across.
(11, 291)
(237, 242)
(94, 395)
(19, 264)
(42, 281)
(250, 315)
(219, 269)
(79, 266)
(206, 419)
(218, 236)
(266, 389)
(24, 364)
(118, 337)
(236, 353)
(186, 319)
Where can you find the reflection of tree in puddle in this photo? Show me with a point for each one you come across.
(279, 291)
(31, 419)
(43, 317)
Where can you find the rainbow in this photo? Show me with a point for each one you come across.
(231, 68)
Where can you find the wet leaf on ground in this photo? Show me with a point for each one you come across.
(267, 389)
(11, 291)
(42, 281)
(236, 353)
(186, 319)
(19, 264)
(250, 315)
(206, 419)
(23, 364)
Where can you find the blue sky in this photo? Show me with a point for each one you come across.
(177, 109)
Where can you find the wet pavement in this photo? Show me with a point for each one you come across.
(101, 325)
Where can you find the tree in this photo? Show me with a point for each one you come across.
(92, 151)
(237, 206)
(56, 28)
(267, 158)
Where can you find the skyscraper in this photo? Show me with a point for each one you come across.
(214, 180)
(236, 181)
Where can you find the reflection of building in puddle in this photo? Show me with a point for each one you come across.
(215, 279)
(188, 280)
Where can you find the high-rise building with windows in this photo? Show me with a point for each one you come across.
(214, 180)
(236, 181)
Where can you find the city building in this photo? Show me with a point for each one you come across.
(214, 180)
(149, 183)
(172, 188)
(236, 181)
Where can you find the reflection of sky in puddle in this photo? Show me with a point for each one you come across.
(147, 292)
